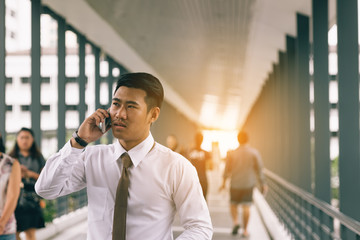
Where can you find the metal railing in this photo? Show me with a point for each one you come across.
(64, 205)
(306, 217)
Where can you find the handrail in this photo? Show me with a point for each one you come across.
(346, 221)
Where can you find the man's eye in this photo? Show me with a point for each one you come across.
(115, 104)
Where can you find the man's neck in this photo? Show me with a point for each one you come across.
(128, 145)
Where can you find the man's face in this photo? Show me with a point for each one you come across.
(130, 120)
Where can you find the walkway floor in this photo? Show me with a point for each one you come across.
(219, 210)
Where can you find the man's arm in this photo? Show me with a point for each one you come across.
(259, 173)
(64, 173)
(191, 205)
(227, 171)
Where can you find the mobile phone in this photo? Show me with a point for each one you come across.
(104, 125)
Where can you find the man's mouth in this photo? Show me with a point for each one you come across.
(119, 124)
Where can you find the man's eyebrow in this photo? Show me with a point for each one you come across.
(132, 102)
(127, 102)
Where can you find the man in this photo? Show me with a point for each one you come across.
(244, 167)
(161, 181)
(201, 160)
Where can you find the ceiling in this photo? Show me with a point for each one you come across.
(213, 56)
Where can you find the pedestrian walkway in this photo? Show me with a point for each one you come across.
(218, 205)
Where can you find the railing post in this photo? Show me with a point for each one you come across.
(317, 218)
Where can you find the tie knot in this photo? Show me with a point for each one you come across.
(126, 160)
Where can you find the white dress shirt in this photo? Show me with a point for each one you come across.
(161, 183)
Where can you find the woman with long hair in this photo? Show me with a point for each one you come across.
(10, 178)
(28, 213)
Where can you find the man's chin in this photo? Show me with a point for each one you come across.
(118, 135)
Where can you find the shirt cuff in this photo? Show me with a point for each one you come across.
(68, 149)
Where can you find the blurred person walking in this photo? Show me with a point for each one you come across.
(28, 213)
(244, 167)
(10, 178)
(173, 143)
(201, 160)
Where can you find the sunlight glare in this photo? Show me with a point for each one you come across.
(227, 140)
(208, 110)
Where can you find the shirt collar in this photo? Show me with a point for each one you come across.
(137, 153)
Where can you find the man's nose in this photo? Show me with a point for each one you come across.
(121, 113)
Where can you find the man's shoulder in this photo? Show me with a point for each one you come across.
(170, 156)
(166, 152)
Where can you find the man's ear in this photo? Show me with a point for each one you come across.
(154, 112)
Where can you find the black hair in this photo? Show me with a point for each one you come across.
(2, 146)
(34, 150)
(144, 81)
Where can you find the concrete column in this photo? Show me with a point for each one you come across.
(291, 104)
(35, 106)
(273, 133)
(2, 71)
(82, 78)
(96, 52)
(110, 80)
(348, 75)
(321, 102)
(61, 52)
(278, 120)
(284, 118)
(303, 78)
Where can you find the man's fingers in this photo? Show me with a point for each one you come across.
(89, 130)
(101, 115)
(103, 112)
(96, 119)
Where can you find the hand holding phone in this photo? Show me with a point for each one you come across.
(105, 125)
(92, 128)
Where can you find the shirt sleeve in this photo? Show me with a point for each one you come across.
(42, 162)
(64, 173)
(192, 208)
(259, 168)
